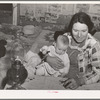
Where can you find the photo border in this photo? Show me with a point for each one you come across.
(49, 94)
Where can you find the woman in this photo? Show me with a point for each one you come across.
(84, 53)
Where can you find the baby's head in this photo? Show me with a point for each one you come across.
(61, 44)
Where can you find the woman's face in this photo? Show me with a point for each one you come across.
(80, 31)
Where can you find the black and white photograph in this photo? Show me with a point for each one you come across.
(51, 46)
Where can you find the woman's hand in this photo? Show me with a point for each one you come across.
(55, 62)
(69, 83)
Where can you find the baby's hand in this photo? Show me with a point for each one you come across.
(61, 71)
(44, 50)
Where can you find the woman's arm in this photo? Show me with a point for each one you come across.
(54, 62)
(77, 81)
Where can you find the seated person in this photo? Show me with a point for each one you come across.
(58, 50)
(84, 53)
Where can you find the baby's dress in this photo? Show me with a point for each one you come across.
(48, 70)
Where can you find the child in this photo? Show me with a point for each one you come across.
(58, 49)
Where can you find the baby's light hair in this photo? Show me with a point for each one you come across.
(64, 39)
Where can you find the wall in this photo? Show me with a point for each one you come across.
(6, 13)
(56, 16)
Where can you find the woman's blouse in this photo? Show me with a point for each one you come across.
(84, 58)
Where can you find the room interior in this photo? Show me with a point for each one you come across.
(37, 23)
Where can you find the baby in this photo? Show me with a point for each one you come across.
(58, 49)
(35, 64)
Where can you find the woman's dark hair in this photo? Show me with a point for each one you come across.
(81, 17)
(57, 33)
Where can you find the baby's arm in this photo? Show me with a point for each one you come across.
(66, 62)
(65, 70)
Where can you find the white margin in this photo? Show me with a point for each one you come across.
(50, 94)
